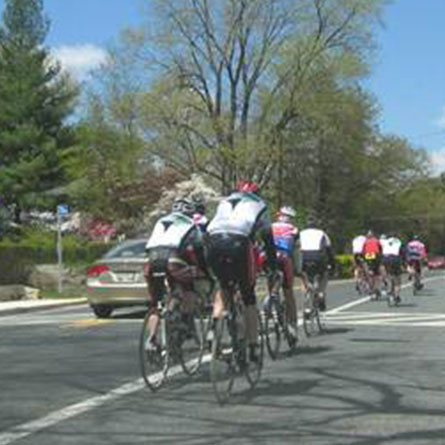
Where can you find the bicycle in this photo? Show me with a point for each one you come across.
(229, 349)
(182, 338)
(417, 284)
(362, 284)
(275, 320)
(392, 299)
(312, 321)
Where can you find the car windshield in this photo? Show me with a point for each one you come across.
(128, 249)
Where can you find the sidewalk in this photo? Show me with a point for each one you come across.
(22, 306)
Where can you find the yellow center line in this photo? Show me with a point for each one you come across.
(87, 323)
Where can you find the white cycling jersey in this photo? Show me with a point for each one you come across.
(170, 231)
(314, 240)
(357, 244)
(237, 214)
(391, 246)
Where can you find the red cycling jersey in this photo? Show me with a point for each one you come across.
(372, 247)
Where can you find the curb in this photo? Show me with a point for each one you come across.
(24, 306)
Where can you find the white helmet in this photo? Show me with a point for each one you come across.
(288, 212)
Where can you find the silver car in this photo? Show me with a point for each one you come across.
(117, 279)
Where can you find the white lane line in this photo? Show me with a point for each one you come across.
(370, 315)
(348, 305)
(366, 299)
(29, 428)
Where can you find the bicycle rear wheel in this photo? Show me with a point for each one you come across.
(253, 369)
(192, 344)
(223, 367)
(272, 328)
(311, 315)
(154, 364)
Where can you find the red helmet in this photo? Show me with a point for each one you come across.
(244, 185)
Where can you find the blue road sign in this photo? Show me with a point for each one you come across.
(62, 210)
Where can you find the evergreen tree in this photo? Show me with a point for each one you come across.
(35, 100)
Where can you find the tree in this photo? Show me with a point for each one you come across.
(221, 68)
(35, 101)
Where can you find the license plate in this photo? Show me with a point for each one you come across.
(125, 277)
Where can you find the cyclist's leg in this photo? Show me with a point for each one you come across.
(153, 272)
(286, 265)
(369, 273)
(305, 260)
(419, 271)
(218, 257)
(410, 269)
(246, 280)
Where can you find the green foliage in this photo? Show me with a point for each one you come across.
(35, 100)
(344, 266)
(39, 247)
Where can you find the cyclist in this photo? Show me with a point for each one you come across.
(174, 251)
(357, 252)
(315, 247)
(415, 253)
(239, 219)
(285, 235)
(372, 253)
(392, 252)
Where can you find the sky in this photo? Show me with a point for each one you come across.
(408, 77)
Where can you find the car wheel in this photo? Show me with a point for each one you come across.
(102, 311)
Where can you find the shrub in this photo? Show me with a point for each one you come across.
(344, 266)
(38, 247)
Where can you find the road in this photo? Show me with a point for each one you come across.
(376, 378)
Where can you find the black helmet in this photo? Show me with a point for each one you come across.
(199, 202)
(184, 205)
(311, 220)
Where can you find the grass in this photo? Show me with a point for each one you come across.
(68, 291)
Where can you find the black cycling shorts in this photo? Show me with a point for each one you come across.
(313, 262)
(393, 265)
(373, 264)
(232, 260)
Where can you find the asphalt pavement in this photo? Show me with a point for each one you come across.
(376, 377)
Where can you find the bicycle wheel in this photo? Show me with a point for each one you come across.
(272, 328)
(284, 325)
(192, 343)
(309, 313)
(319, 319)
(223, 366)
(154, 364)
(253, 369)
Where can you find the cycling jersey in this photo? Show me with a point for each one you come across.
(240, 214)
(391, 247)
(415, 250)
(284, 236)
(372, 248)
(171, 231)
(314, 240)
(357, 244)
